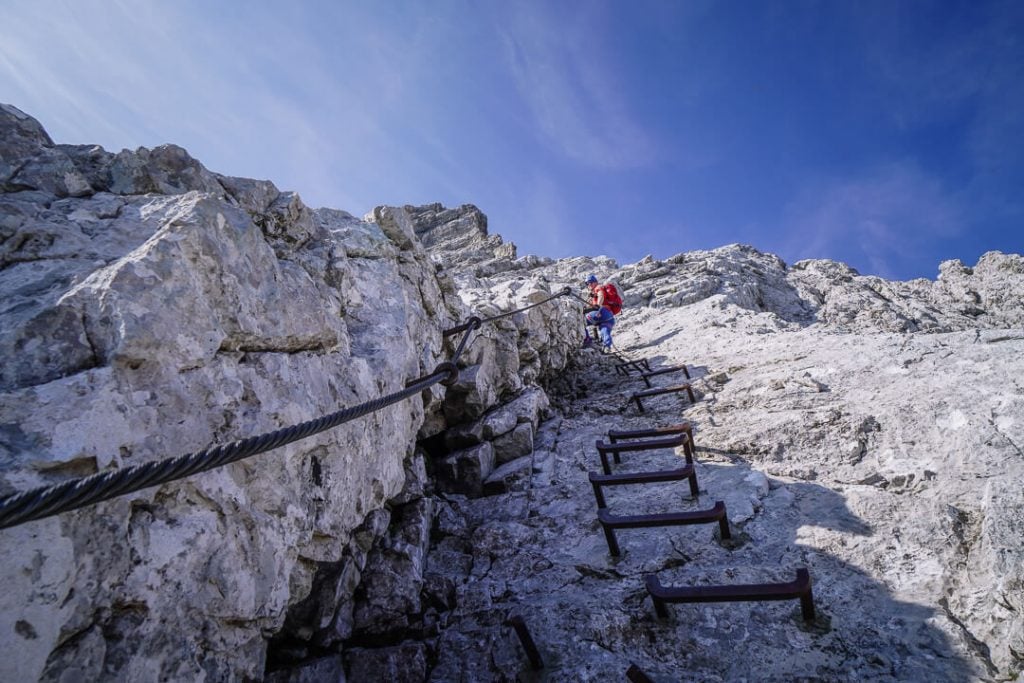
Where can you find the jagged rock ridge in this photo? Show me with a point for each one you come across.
(869, 430)
(150, 308)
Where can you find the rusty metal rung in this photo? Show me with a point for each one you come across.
(616, 448)
(797, 589)
(517, 623)
(601, 480)
(647, 393)
(671, 441)
(713, 514)
(640, 365)
(610, 522)
(654, 477)
(646, 376)
(683, 427)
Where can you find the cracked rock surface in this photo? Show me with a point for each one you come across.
(152, 308)
(900, 497)
(870, 431)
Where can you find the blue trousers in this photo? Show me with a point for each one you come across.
(605, 320)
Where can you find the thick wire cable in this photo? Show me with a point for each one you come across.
(579, 298)
(464, 326)
(47, 501)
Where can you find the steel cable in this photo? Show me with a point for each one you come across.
(464, 326)
(47, 501)
(580, 298)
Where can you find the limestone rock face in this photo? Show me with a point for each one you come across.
(866, 429)
(151, 308)
(465, 471)
(825, 292)
(897, 451)
(460, 236)
(515, 444)
(390, 592)
(29, 160)
(404, 662)
(148, 311)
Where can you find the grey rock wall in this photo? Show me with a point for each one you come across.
(868, 429)
(152, 307)
(460, 237)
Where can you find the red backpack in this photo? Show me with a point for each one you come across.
(612, 299)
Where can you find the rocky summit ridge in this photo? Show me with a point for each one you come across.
(870, 431)
(867, 429)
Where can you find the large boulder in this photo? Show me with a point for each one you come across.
(517, 443)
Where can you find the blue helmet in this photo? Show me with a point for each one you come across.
(591, 279)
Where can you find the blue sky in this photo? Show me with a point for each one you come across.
(888, 135)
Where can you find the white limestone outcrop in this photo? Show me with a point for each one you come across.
(151, 308)
(869, 430)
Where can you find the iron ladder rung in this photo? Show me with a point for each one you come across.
(800, 588)
(646, 376)
(598, 481)
(658, 391)
(610, 522)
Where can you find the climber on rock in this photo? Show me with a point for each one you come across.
(605, 304)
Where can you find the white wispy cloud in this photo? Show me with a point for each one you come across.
(572, 89)
(349, 105)
(253, 96)
(884, 216)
